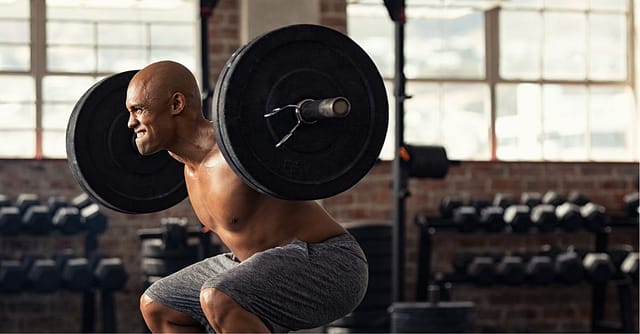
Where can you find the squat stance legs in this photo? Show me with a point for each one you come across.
(223, 313)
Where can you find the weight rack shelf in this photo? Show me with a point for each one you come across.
(430, 226)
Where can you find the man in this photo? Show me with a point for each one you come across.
(291, 265)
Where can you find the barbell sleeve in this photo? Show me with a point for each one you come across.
(313, 110)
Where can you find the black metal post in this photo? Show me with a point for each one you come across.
(88, 296)
(400, 190)
(599, 290)
(108, 305)
(206, 10)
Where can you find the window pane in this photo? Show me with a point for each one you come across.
(521, 4)
(118, 60)
(118, 10)
(520, 44)
(607, 47)
(71, 59)
(14, 9)
(17, 88)
(452, 115)
(564, 120)
(182, 56)
(564, 46)
(374, 34)
(466, 121)
(75, 33)
(449, 45)
(18, 144)
(612, 123)
(54, 143)
(618, 5)
(65, 88)
(112, 34)
(518, 123)
(17, 116)
(56, 116)
(13, 31)
(173, 35)
(15, 58)
(566, 4)
(423, 115)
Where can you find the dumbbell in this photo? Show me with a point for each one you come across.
(553, 198)
(578, 198)
(35, 215)
(448, 205)
(5, 201)
(81, 201)
(41, 274)
(539, 270)
(482, 270)
(12, 276)
(93, 220)
(632, 204)
(543, 217)
(594, 217)
(568, 267)
(518, 217)
(75, 272)
(617, 254)
(510, 270)
(598, 267)
(503, 200)
(10, 220)
(531, 199)
(108, 273)
(569, 216)
(461, 261)
(64, 217)
(492, 219)
(26, 200)
(630, 266)
(67, 220)
(465, 218)
(479, 203)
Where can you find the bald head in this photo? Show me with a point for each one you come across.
(165, 78)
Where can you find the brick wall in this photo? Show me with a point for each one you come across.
(371, 199)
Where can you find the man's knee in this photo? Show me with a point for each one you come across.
(216, 305)
(149, 307)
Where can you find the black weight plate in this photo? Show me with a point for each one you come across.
(284, 67)
(104, 160)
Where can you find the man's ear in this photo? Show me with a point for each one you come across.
(178, 103)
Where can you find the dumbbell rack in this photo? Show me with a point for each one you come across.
(91, 233)
(425, 276)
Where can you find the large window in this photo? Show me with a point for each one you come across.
(512, 80)
(52, 51)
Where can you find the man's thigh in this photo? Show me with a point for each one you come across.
(181, 290)
(299, 285)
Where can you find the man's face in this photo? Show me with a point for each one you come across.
(149, 117)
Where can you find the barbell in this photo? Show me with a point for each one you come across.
(299, 113)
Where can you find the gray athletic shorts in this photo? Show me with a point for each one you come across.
(297, 286)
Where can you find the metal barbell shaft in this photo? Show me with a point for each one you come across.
(335, 107)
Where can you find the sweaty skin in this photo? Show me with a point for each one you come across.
(165, 111)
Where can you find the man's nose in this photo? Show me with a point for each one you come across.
(132, 121)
